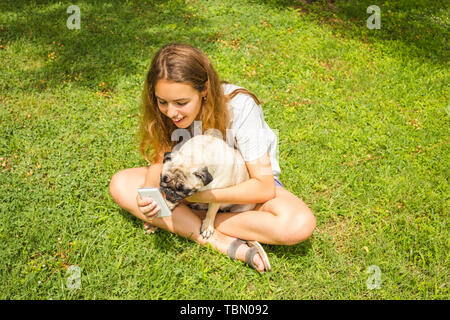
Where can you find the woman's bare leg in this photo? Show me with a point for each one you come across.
(183, 222)
(284, 220)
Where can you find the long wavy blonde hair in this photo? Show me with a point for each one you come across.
(186, 64)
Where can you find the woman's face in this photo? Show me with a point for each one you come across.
(178, 101)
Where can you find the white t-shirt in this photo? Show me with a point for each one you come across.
(249, 131)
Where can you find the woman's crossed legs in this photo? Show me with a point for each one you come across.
(283, 220)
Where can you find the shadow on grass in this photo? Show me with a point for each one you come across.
(116, 40)
(291, 252)
(163, 239)
(422, 26)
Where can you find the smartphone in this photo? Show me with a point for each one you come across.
(156, 195)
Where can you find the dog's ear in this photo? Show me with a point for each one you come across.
(167, 156)
(204, 175)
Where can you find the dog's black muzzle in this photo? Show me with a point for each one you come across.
(171, 195)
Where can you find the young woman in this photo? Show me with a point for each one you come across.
(182, 87)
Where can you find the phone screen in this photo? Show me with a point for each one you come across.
(156, 195)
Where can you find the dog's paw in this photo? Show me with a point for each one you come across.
(207, 229)
(149, 229)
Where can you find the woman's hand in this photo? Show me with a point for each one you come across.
(147, 207)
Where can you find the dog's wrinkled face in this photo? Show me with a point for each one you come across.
(179, 180)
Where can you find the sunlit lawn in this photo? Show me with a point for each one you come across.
(362, 117)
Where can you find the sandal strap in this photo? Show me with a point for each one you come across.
(254, 248)
(249, 256)
(262, 253)
(231, 252)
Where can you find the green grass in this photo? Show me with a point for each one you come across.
(363, 121)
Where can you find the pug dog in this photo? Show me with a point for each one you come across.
(203, 162)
